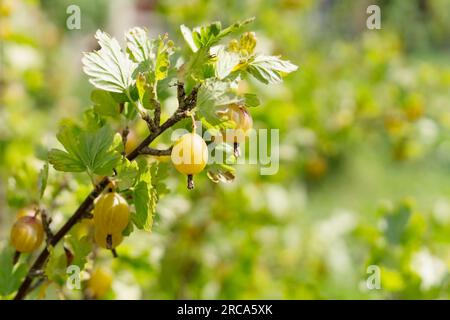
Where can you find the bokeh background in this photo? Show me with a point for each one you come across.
(364, 174)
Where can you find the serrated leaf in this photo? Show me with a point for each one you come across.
(104, 103)
(42, 179)
(139, 46)
(151, 54)
(221, 173)
(226, 61)
(208, 35)
(10, 275)
(55, 268)
(85, 151)
(109, 68)
(269, 69)
(127, 173)
(187, 35)
(213, 95)
(63, 161)
(144, 204)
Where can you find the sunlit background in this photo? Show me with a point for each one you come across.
(364, 176)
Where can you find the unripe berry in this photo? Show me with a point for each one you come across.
(99, 283)
(27, 234)
(242, 121)
(190, 155)
(111, 213)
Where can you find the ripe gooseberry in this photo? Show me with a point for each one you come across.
(190, 155)
(27, 234)
(111, 213)
(99, 283)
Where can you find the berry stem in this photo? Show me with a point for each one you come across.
(109, 242)
(237, 152)
(16, 257)
(190, 181)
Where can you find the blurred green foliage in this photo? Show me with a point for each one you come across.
(364, 155)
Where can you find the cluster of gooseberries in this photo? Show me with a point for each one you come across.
(27, 233)
(189, 156)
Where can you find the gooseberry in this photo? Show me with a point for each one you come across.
(111, 213)
(242, 121)
(99, 283)
(190, 155)
(27, 234)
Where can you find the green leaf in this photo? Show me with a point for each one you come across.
(85, 150)
(208, 35)
(251, 100)
(139, 46)
(269, 69)
(226, 61)
(63, 161)
(147, 192)
(159, 174)
(10, 276)
(213, 95)
(128, 229)
(127, 173)
(200, 40)
(187, 35)
(162, 62)
(396, 223)
(144, 203)
(42, 180)
(109, 68)
(55, 268)
(235, 27)
(80, 249)
(104, 103)
(151, 54)
(219, 172)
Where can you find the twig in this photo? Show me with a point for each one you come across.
(46, 225)
(124, 135)
(184, 104)
(157, 114)
(156, 152)
(150, 124)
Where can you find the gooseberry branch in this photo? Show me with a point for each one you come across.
(185, 104)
